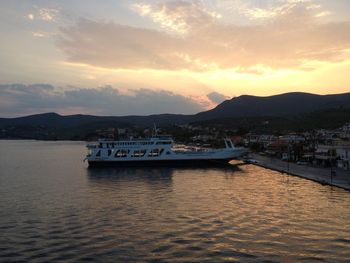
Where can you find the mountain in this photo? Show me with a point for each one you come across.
(278, 105)
(54, 120)
(283, 105)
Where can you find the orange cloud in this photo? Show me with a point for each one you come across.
(30, 16)
(290, 40)
(178, 16)
(48, 14)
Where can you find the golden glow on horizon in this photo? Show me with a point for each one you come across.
(314, 77)
(186, 47)
(187, 54)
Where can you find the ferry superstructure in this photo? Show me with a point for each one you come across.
(158, 150)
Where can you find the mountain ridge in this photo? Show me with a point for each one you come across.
(242, 106)
(276, 105)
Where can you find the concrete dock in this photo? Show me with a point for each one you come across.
(335, 176)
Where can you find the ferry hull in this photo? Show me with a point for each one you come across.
(168, 163)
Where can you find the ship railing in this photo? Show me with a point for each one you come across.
(193, 150)
(155, 137)
(162, 137)
(229, 143)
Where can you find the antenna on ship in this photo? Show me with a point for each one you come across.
(155, 130)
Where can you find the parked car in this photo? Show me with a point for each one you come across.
(302, 163)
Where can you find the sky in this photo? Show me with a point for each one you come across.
(123, 57)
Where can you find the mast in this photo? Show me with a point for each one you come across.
(155, 130)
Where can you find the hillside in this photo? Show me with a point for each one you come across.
(288, 111)
(278, 105)
(323, 119)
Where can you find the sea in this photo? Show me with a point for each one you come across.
(53, 208)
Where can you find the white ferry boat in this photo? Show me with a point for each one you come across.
(157, 150)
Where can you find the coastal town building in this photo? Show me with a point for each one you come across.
(325, 148)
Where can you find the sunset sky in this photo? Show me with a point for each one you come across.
(121, 57)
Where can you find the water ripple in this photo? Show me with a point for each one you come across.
(246, 214)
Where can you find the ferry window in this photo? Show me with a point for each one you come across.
(109, 152)
(121, 153)
(154, 153)
(167, 152)
(98, 153)
(138, 153)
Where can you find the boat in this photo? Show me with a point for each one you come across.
(157, 150)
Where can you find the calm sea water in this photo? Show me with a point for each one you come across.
(54, 209)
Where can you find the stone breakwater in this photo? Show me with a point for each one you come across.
(330, 176)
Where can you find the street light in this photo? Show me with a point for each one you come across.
(333, 172)
(288, 158)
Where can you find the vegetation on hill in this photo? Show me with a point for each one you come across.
(275, 114)
(324, 119)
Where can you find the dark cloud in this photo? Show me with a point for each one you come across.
(288, 40)
(216, 97)
(19, 99)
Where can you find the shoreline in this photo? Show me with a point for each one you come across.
(341, 178)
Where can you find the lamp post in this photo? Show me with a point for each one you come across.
(288, 158)
(331, 170)
(331, 164)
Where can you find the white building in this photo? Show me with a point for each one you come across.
(339, 151)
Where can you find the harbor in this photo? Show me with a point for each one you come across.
(175, 131)
(65, 211)
(330, 175)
